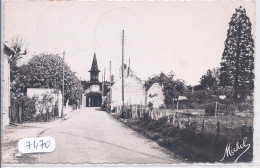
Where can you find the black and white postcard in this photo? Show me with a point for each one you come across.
(128, 82)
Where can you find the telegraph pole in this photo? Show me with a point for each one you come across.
(123, 36)
(104, 86)
(110, 83)
(104, 74)
(128, 67)
(63, 84)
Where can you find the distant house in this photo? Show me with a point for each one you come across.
(155, 95)
(222, 97)
(182, 98)
(182, 102)
(134, 90)
(54, 98)
(8, 52)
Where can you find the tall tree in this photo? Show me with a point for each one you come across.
(238, 57)
(208, 80)
(45, 71)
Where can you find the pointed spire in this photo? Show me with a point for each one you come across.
(94, 66)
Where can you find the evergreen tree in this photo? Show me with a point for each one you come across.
(238, 57)
(208, 80)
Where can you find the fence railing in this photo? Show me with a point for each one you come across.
(220, 126)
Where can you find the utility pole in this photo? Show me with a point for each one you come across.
(104, 74)
(110, 84)
(104, 86)
(123, 36)
(128, 67)
(63, 84)
(216, 108)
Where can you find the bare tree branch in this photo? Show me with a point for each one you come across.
(20, 46)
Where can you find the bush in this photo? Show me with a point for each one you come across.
(28, 107)
(163, 120)
(210, 109)
(40, 117)
(162, 106)
(199, 144)
(56, 109)
(150, 105)
(242, 107)
(155, 136)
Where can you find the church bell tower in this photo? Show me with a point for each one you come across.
(94, 71)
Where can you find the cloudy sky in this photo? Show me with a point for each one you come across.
(184, 37)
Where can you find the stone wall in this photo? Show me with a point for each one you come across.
(41, 92)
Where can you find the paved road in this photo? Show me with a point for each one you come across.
(94, 136)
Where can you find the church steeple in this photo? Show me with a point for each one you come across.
(94, 71)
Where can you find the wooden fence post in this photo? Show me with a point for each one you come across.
(178, 123)
(20, 114)
(175, 119)
(251, 134)
(218, 130)
(203, 126)
(138, 112)
(131, 111)
(171, 118)
(243, 130)
(47, 113)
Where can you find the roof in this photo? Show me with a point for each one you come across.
(155, 84)
(182, 98)
(94, 66)
(8, 50)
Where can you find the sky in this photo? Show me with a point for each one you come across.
(160, 36)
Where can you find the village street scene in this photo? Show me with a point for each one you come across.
(129, 82)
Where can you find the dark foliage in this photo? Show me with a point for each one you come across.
(45, 71)
(195, 143)
(208, 80)
(28, 106)
(172, 89)
(238, 57)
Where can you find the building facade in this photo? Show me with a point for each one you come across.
(6, 99)
(93, 92)
(134, 90)
(155, 95)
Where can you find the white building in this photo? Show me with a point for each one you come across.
(155, 95)
(134, 90)
(5, 97)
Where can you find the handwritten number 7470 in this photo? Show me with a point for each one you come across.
(35, 144)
